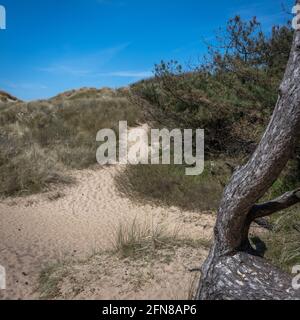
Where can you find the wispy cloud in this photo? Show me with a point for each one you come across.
(66, 70)
(126, 74)
(84, 65)
(91, 66)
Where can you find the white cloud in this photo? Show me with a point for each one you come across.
(84, 65)
(126, 74)
(67, 70)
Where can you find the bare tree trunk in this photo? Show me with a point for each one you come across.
(233, 269)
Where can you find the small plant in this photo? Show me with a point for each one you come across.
(140, 239)
(133, 238)
(49, 280)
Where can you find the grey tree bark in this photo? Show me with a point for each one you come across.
(234, 269)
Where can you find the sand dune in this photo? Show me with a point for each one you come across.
(77, 221)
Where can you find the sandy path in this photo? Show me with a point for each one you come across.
(35, 231)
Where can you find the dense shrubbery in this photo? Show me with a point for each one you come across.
(231, 95)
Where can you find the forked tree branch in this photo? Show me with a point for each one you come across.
(285, 201)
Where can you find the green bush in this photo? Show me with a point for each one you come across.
(231, 96)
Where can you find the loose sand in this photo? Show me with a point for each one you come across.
(75, 222)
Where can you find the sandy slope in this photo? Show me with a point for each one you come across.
(36, 231)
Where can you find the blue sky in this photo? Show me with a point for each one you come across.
(51, 46)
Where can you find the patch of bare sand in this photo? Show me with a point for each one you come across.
(75, 222)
